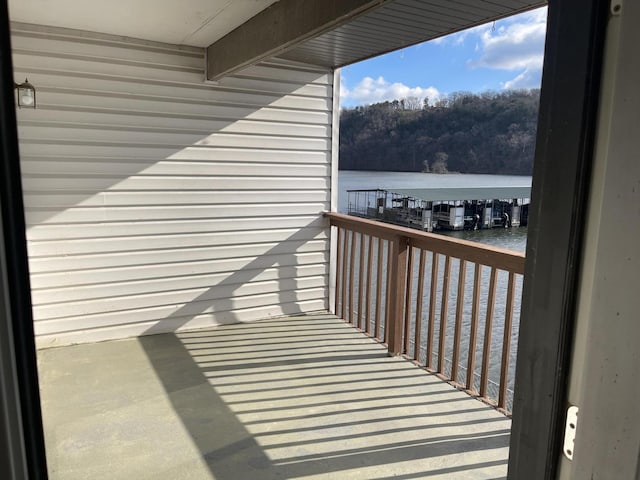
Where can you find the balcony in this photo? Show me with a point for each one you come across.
(301, 397)
(308, 396)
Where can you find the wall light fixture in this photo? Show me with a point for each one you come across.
(26, 94)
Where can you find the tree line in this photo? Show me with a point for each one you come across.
(463, 132)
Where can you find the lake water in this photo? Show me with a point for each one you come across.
(512, 238)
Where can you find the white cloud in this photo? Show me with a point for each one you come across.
(514, 44)
(513, 47)
(530, 78)
(518, 45)
(370, 90)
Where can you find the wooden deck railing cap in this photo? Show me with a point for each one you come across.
(500, 258)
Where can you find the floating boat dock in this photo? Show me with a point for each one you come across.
(432, 209)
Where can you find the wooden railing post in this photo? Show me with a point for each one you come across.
(398, 278)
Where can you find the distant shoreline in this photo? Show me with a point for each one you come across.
(439, 174)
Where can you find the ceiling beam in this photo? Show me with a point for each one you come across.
(278, 28)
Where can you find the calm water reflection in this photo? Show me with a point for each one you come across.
(512, 238)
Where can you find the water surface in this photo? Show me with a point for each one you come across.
(513, 238)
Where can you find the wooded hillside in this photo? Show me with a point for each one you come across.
(464, 132)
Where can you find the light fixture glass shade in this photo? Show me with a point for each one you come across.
(26, 95)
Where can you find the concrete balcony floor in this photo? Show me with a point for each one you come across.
(302, 397)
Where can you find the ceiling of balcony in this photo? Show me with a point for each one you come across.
(401, 23)
(187, 22)
(385, 25)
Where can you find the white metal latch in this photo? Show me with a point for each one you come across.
(570, 432)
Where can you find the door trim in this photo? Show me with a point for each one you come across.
(21, 434)
(561, 177)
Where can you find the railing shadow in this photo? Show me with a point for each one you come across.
(224, 290)
(205, 414)
(364, 416)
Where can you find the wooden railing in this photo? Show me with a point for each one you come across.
(426, 297)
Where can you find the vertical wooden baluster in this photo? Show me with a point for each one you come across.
(376, 333)
(352, 267)
(435, 259)
(506, 342)
(473, 331)
(407, 305)
(338, 296)
(444, 312)
(398, 278)
(398, 305)
(419, 295)
(367, 314)
(387, 310)
(360, 281)
(486, 350)
(345, 250)
(462, 274)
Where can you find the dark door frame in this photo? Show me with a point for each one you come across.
(22, 453)
(562, 171)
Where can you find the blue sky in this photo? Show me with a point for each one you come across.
(497, 56)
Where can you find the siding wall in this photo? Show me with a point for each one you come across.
(156, 202)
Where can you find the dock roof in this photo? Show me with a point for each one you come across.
(470, 193)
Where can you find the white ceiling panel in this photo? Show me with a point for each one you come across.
(185, 22)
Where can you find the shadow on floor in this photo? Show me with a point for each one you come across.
(311, 396)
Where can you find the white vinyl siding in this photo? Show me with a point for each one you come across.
(155, 202)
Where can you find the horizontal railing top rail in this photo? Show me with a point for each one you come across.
(500, 258)
(399, 284)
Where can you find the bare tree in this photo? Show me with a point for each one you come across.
(439, 164)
